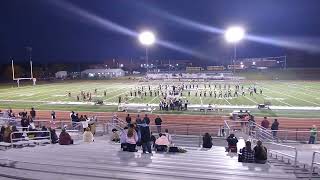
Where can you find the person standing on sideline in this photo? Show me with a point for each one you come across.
(53, 119)
(275, 128)
(128, 119)
(33, 114)
(146, 119)
(158, 122)
(265, 123)
(313, 134)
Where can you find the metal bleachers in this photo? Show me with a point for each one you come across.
(104, 160)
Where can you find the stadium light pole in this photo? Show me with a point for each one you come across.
(147, 38)
(234, 35)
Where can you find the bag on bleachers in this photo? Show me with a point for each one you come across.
(173, 149)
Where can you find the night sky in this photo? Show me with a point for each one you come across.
(80, 30)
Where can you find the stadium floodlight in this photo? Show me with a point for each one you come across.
(147, 38)
(234, 35)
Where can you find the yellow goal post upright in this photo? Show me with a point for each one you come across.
(14, 78)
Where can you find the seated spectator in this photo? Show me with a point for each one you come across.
(123, 138)
(2, 133)
(65, 138)
(162, 143)
(24, 123)
(88, 136)
(246, 154)
(232, 143)
(16, 136)
(6, 135)
(207, 141)
(54, 137)
(260, 153)
(43, 134)
(132, 138)
(168, 135)
(115, 136)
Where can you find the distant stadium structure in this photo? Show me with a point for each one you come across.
(61, 74)
(102, 73)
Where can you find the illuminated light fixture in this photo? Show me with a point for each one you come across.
(234, 34)
(147, 38)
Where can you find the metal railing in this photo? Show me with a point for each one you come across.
(26, 138)
(276, 152)
(312, 169)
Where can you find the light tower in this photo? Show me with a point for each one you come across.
(147, 38)
(234, 35)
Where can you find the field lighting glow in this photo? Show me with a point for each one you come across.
(147, 38)
(234, 34)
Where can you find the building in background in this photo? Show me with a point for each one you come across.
(61, 75)
(102, 73)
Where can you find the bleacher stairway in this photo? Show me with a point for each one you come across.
(104, 160)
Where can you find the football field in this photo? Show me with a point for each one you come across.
(301, 95)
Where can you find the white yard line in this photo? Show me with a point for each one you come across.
(278, 100)
(251, 100)
(292, 96)
(227, 100)
(152, 100)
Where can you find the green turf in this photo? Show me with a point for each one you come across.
(279, 93)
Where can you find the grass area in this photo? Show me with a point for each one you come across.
(51, 96)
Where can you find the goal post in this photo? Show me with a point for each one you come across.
(18, 79)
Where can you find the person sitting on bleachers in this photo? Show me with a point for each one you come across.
(88, 136)
(2, 133)
(15, 135)
(65, 138)
(207, 141)
(260, 153)
(24, 123)
(162, 143)
(246, 154)
(115, 136)
(123, 138)
(54, 137)
(232, 143)
(132, 138)
(6, 134)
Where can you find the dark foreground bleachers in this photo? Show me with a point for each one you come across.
(104, 160)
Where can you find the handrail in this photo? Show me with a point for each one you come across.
(24, 138)
(285, 154)
(313, 163)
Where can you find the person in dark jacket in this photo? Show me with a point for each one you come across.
(260, 153)
(275, 128)
(15, 136)
(24, 123)
(146, 119)
(158, 122)
(65, 138)
(33, 113)
(128, 119)
(145, 138)
(232, 143)
(54, 137)
(207, 141)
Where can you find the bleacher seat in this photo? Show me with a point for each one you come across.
(105, 160)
